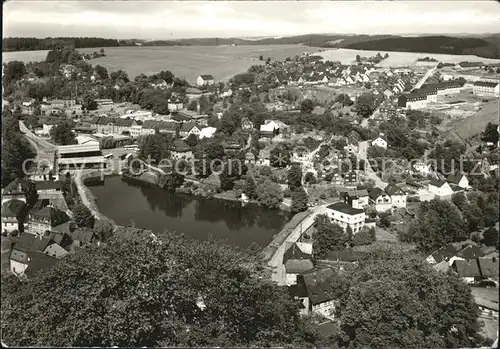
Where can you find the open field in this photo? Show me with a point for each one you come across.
(184, 61)
(24, 56)
(224, 61)
(398, 59)
(475, 124)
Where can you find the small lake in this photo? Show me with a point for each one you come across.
(158, 210)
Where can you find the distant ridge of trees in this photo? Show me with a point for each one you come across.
(164, 43)
(33, 44)
(487, 46)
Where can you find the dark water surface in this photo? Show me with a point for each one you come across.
(156, 209)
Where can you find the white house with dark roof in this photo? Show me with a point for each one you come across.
(397, 195)
(347, 216)
(314, 292)
(12, 215)
(14, 190)
(380, 199)
(205, 80)
(458, 179)
(440, 188)
(296, 260)
(356, 198)
(486, 88)
(320, 291)
(34, 253)
(189, 128)
(48, 186)
(180, 150)
(379, 142)
(174, 104)
(226, 92)
(48, 218)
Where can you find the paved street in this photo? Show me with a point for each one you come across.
(362, 154)
(424, 78)
(44, 150)
(276, 261)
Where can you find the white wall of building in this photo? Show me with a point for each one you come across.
(17, 268)
(356, 221)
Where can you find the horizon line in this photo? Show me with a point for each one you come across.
(270, 36)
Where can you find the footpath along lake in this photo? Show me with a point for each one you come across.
(156, 209)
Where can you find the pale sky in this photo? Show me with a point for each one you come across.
(178, 19)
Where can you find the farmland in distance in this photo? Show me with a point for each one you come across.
(398, 59)
(184, 61)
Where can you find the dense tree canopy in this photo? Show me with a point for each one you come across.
(13, 70)
(31, 44)
(397, 300)
(62, 133)
(490, 134)
(83, 217)
(329, 236)
(306, 106)
(269, 194)
(438, 222)
(155, 147)
(299, 200)
(177, 293)
(294, 177)
(365, 104)
(15, 149)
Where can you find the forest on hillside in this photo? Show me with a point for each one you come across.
(34, 44)
(484, 47)
(487, 46)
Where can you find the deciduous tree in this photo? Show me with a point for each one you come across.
(269, 194)
(62, 134)
(294, 177)
(83, 217)
(329, 236)
(137, 292)
(438, 223)
(490, 237)
(365, 104)
(299, 200)
(307, 106)
(397, 300)
(250, 188)
(192, 140)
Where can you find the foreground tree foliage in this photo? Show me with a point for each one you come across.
(15, 149)
(438, 222)
(171, 291)
(397, 300)
(142, 293)
(83, 217)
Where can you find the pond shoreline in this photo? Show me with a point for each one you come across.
(132, 202)
(199, 193)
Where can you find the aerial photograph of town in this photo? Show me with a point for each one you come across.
(304, 174)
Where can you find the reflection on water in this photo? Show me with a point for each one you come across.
(156, 209)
